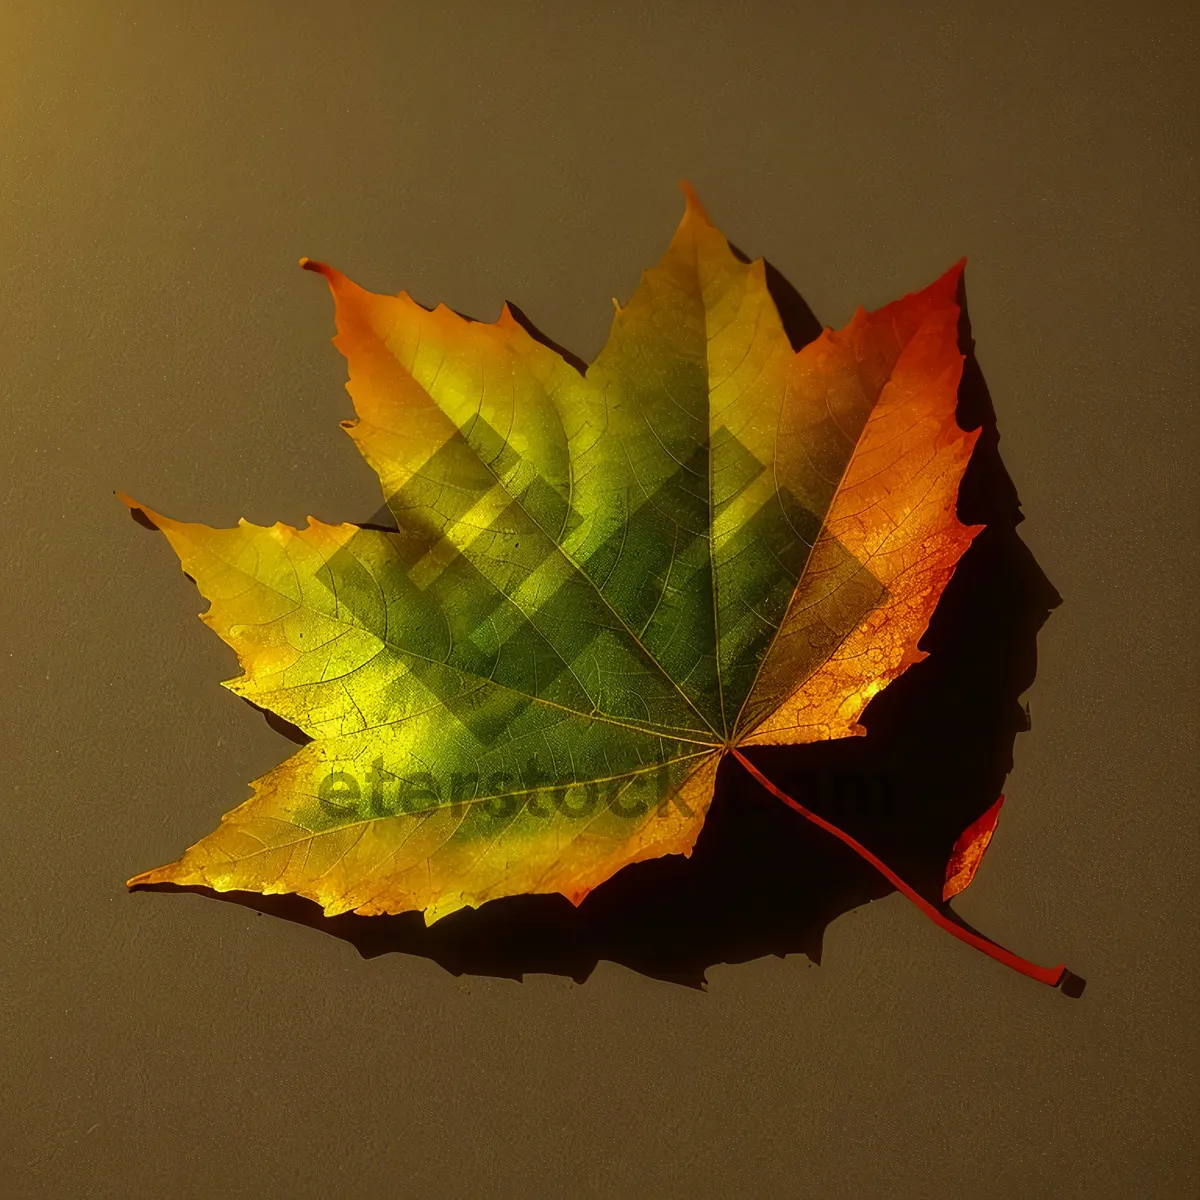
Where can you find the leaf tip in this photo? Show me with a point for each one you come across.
(157, 875)
(968, 851)
(320, 268)
(139, 512)
(951, 279)
(693, 202)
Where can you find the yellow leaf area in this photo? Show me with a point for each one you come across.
(598, 585)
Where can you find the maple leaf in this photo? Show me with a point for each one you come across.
(599, 584)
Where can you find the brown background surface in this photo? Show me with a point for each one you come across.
(164, 165)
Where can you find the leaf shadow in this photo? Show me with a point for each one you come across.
(761, 879)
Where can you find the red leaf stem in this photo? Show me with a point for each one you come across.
(1048, 975)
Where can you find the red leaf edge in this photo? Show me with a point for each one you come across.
(968, 851)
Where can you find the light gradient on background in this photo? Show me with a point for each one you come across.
(164, 165)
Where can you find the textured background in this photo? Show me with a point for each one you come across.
(164, 165)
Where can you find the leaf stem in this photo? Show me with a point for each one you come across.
(1048, 975)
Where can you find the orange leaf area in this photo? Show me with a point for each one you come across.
(968, 851)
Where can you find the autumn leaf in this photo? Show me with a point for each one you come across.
(599, 584)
